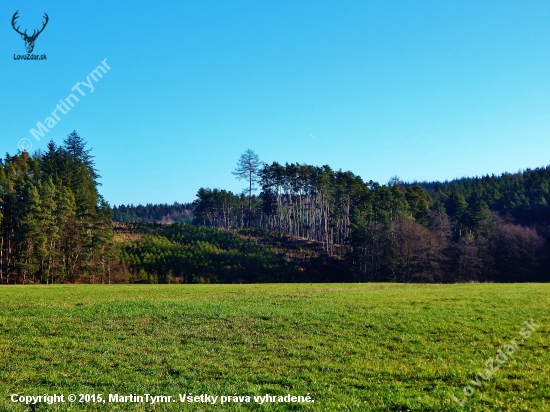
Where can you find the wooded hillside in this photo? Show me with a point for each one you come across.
(307, 223)
(484, 229)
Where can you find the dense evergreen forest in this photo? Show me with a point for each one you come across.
(523, 195)
(293, 222)
(54, 225)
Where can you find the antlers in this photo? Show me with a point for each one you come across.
(15, 16)
(43, 25)
(35, 33)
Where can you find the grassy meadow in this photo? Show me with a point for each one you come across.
(356, 347)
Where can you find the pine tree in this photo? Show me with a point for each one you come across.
(49, 229)
(247, 168)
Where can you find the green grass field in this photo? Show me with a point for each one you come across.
(357, 347)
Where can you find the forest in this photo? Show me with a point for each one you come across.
(480, 229)
(54, 225)
(292, 223)
(154, 213)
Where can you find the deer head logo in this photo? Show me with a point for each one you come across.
(29, 40)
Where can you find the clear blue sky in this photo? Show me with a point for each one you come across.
(427, 90)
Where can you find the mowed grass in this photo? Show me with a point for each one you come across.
(357, 347)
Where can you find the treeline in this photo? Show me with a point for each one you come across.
(54, 225)
(524, 195)
(487, 229)
(154, 213)
(307, 223)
